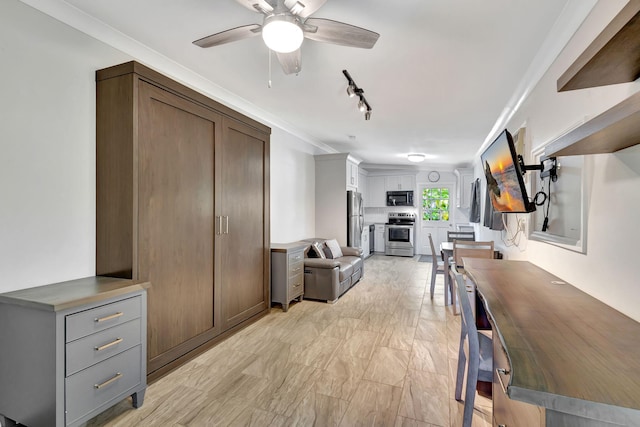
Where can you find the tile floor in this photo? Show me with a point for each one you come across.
(384, 355)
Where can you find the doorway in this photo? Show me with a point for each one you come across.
(434, 215)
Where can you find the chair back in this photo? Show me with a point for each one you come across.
(467, 320)
(461, 235)
(462, 248)
(433, 250)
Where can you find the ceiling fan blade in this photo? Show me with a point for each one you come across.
(304, 8)
(228, 36)
(326, 30)
(291, 62)
(262, 6)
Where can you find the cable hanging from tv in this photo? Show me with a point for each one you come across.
(548, 168)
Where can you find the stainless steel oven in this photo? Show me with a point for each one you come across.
(399, 234)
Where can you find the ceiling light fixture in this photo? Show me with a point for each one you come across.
(415, 157)
(281, 33)
(353, 90)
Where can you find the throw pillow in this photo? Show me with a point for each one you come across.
(317, 249)
(334, 248)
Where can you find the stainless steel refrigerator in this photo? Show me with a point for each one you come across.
(355, 219)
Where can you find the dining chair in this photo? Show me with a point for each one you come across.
(479, 363)
(461, 235)
(465, 227)
(437, 267)
(469, 249)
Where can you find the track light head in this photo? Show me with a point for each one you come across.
(367, 115)
(361, 105)
(351, 90)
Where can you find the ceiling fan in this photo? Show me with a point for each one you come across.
(285, 24)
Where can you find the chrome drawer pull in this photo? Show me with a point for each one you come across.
(103, 347)
(502, 371)
(107, 382)
(104, 319)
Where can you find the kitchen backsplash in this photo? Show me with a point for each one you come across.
(380, 215)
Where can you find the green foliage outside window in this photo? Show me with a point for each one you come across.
(435, 204)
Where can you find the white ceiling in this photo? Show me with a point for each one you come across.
(438, 79)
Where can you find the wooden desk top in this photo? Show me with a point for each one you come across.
(568, 351)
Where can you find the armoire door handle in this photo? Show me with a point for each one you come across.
(226, 218)
(219, 230)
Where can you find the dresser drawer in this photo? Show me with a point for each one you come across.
(296, 285)
(295, 257)
(97, 385)
(295, 269)
(97, 347)
(99, 318)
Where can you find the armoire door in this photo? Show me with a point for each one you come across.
(243, 208)
(176, 222)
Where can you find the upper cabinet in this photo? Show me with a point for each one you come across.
(376, 192)
(613, 57)
(352, 174)
(464, 177)
(400, 182)
(362, 183)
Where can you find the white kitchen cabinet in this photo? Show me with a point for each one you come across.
(352, 175)
(464, 178)
(399, 182)
(376, 192)
(379, 236)
(362, 185)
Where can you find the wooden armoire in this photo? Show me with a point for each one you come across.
(182, 202)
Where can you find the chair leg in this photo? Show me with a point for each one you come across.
(454, 296)
(434, 272)
(470, 395)
(461, 366)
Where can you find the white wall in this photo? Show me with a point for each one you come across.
(608, 271)
(292, 188)
(47, 153)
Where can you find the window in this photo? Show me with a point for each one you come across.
(435, 204)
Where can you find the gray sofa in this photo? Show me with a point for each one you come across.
(327, 279)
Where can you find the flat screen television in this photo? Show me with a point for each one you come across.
(504, 177)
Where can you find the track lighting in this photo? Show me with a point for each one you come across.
(353, 90)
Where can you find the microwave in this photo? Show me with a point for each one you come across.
(399, 198)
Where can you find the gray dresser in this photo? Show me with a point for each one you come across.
(287, 272)
(71, 350)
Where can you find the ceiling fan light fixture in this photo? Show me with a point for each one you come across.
(281, 33)
(415, 157)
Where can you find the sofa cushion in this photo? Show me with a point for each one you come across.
(355, 262)
(316, 248)
(333, 249)
(346, 270)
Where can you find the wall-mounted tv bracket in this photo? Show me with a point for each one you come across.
(548, 167)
